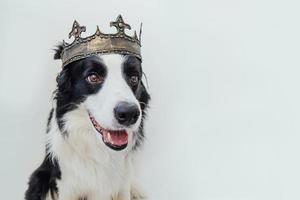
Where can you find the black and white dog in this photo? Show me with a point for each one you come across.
(93, 130)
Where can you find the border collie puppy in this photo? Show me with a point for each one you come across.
(93, 129)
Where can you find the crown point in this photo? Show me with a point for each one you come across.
(120, 25)
(119, 18)
(98, 32)
(135, 36)
(76, 30)
(140, 34)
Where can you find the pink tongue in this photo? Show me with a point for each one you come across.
(118, 137)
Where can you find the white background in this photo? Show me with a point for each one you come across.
(224, 79)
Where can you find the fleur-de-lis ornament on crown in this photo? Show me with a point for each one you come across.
(77, 30)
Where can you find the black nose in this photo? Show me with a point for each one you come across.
(126, 113)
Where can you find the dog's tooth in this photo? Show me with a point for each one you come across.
(104, 137)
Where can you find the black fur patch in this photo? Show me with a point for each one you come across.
(43, 180)
(143, 98)
(49, 120)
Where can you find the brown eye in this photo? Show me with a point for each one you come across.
(94, 78)
(134, 80)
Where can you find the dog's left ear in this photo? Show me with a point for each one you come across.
(143, 96)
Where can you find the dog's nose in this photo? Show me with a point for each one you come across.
(126, 113)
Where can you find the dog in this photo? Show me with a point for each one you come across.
(93, 131)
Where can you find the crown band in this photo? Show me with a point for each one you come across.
(100, 43)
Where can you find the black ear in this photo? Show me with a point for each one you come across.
(63, 80)
(143, 96)
(58, 50)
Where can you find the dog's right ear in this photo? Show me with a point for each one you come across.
(58, 50)
(63, 78)
(63, 81)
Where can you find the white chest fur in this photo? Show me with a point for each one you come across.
(88, 168)
(94, 179)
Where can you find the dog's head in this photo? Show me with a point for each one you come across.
(102, 96)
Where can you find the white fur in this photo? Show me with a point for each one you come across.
(88, 167)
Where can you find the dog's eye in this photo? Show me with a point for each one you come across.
(94, 78)
(134, 80)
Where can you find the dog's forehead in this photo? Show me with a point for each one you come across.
(117, 60)
(112, 61)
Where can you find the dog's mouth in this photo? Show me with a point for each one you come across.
(115, 139)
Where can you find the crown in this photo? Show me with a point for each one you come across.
(100, 43)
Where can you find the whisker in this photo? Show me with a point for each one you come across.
(142, 103)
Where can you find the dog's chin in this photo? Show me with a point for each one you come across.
(114, 139)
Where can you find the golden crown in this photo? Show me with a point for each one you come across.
(101, 43)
